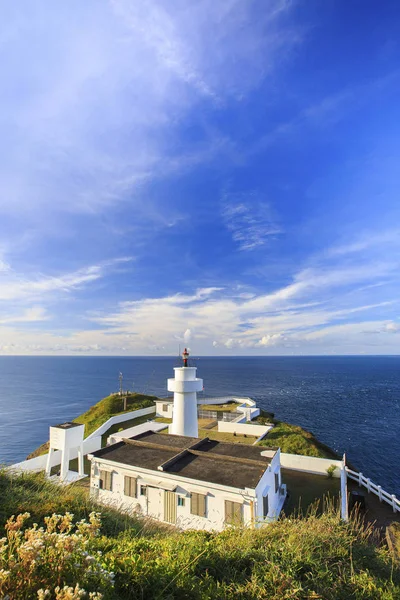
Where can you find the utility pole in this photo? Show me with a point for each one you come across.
(120, 384)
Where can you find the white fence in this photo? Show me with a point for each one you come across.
(310, 464)
(154, 426)
(133, 414)
(90, 444)
(375, 489)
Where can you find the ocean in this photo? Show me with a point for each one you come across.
(350, 403)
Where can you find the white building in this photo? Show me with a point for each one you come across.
(190, 482)
(67, 437)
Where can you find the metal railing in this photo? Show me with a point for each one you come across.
(219, 415)
(375, 489)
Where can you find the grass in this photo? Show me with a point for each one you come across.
(224, 436)
(393, 538)
(221, 436)
(162, 420)
(111, 406)
(295, 440)
(229, 407)
(306, 557)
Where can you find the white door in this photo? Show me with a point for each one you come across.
(154, 503)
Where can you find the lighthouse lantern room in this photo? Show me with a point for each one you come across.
(185, 386)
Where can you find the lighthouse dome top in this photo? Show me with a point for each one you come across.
(185, 356)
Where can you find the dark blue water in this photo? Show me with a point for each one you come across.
(350, 403)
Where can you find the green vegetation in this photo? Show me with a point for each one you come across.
(393, 539)
(225, 436)
(107, 407)
(295, 440)
(111, 406)
(301, 557)
(228, 407)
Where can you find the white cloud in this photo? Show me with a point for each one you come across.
(270, 340)
(249, 220)
(30, 315)
(187, 336)
(16, 287)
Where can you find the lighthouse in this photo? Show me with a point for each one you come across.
(185, 386)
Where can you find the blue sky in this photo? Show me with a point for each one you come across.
(220, 174)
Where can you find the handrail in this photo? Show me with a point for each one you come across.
(375, 489)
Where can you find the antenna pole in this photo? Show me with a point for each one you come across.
(120, 384)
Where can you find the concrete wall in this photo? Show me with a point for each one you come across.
(136, 430)
(247, 428)
(309, 464)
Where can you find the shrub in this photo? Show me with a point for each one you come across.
(44, 562)
(330, 470)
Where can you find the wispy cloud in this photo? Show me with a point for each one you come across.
(250, 221)
(16, 287)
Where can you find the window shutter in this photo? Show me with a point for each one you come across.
(237, 512)
(265, 505)
(198, 504)
(228, 511)
(202, 505)
(194, 504)
(105, 480)
(233, 512)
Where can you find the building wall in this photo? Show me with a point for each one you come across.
(153, 504)
(164, 409)
(266, 486)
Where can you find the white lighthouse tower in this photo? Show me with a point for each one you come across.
(185, 386)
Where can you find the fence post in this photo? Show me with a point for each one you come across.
(380, 493)
(394, 504)
(360, 476)
(343, 491)
(368, 485)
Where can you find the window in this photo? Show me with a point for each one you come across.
(233, 512)
(143, 490)
(265, 505)
(276, 483)
(130, 486)
(105, 480)
(181, 501)
(165, 407)
(198, 504)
